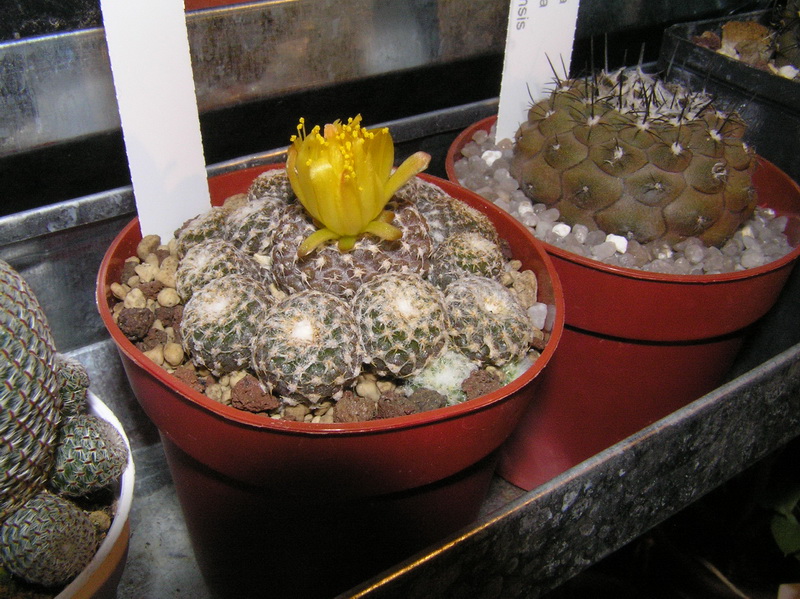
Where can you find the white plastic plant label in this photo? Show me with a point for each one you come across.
(151, 65)
(539, 39)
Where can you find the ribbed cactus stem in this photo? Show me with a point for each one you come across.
(30, 403)
(45, 539)
(73, 380)
(48, 541)
(91, 454)
(628, 154)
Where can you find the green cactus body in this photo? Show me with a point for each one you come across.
(307, 347)
(73, 384)
(371, 306)
(341, 273)
(48, 541)
(250, 226)
(90, 455)
(208, 261)
(403, 323)
(271, 183)
(206, 226)
(465, 253)
(787, 42)
(444, 214)
(30, 402)
(45, 539)
(489, 325)
(220, 321)
(625, 153)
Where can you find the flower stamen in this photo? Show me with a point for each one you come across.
(344, 178)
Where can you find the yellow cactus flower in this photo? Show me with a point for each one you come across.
(344, 178)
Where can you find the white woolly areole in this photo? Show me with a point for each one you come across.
(405, 307)
(303, 331)
(494, 306)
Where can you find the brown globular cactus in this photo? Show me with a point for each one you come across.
(630, 155)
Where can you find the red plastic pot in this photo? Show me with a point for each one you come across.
(279, 508)
(637, 345)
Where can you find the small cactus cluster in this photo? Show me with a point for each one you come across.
(52, 450)
(772, 45)
(787, 42)
(375, 288)
(631, 155)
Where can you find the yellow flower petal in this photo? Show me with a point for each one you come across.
(384, 230)
(313, 241)
(343, 177)
(411, 167)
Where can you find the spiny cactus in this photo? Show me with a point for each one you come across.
(208, 260)
(30, 403)
(205, 226)
(307, 347)
(44, 538)
(462, 254)
(250, 226)
(490, 326)
(90, 455)
(787, 43)
(348, 242)
(341, 273)
(444, 214)
(271, 183)
(403, 323)
(628, 154)
(47, 541)
(73, 383)
(221, 320)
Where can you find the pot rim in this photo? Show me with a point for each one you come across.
(631, 273)
(243, 418)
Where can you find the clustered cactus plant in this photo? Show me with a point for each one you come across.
(787, 43)
(772, 46)
(630, 155)
(51, 450)
(345, 268)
